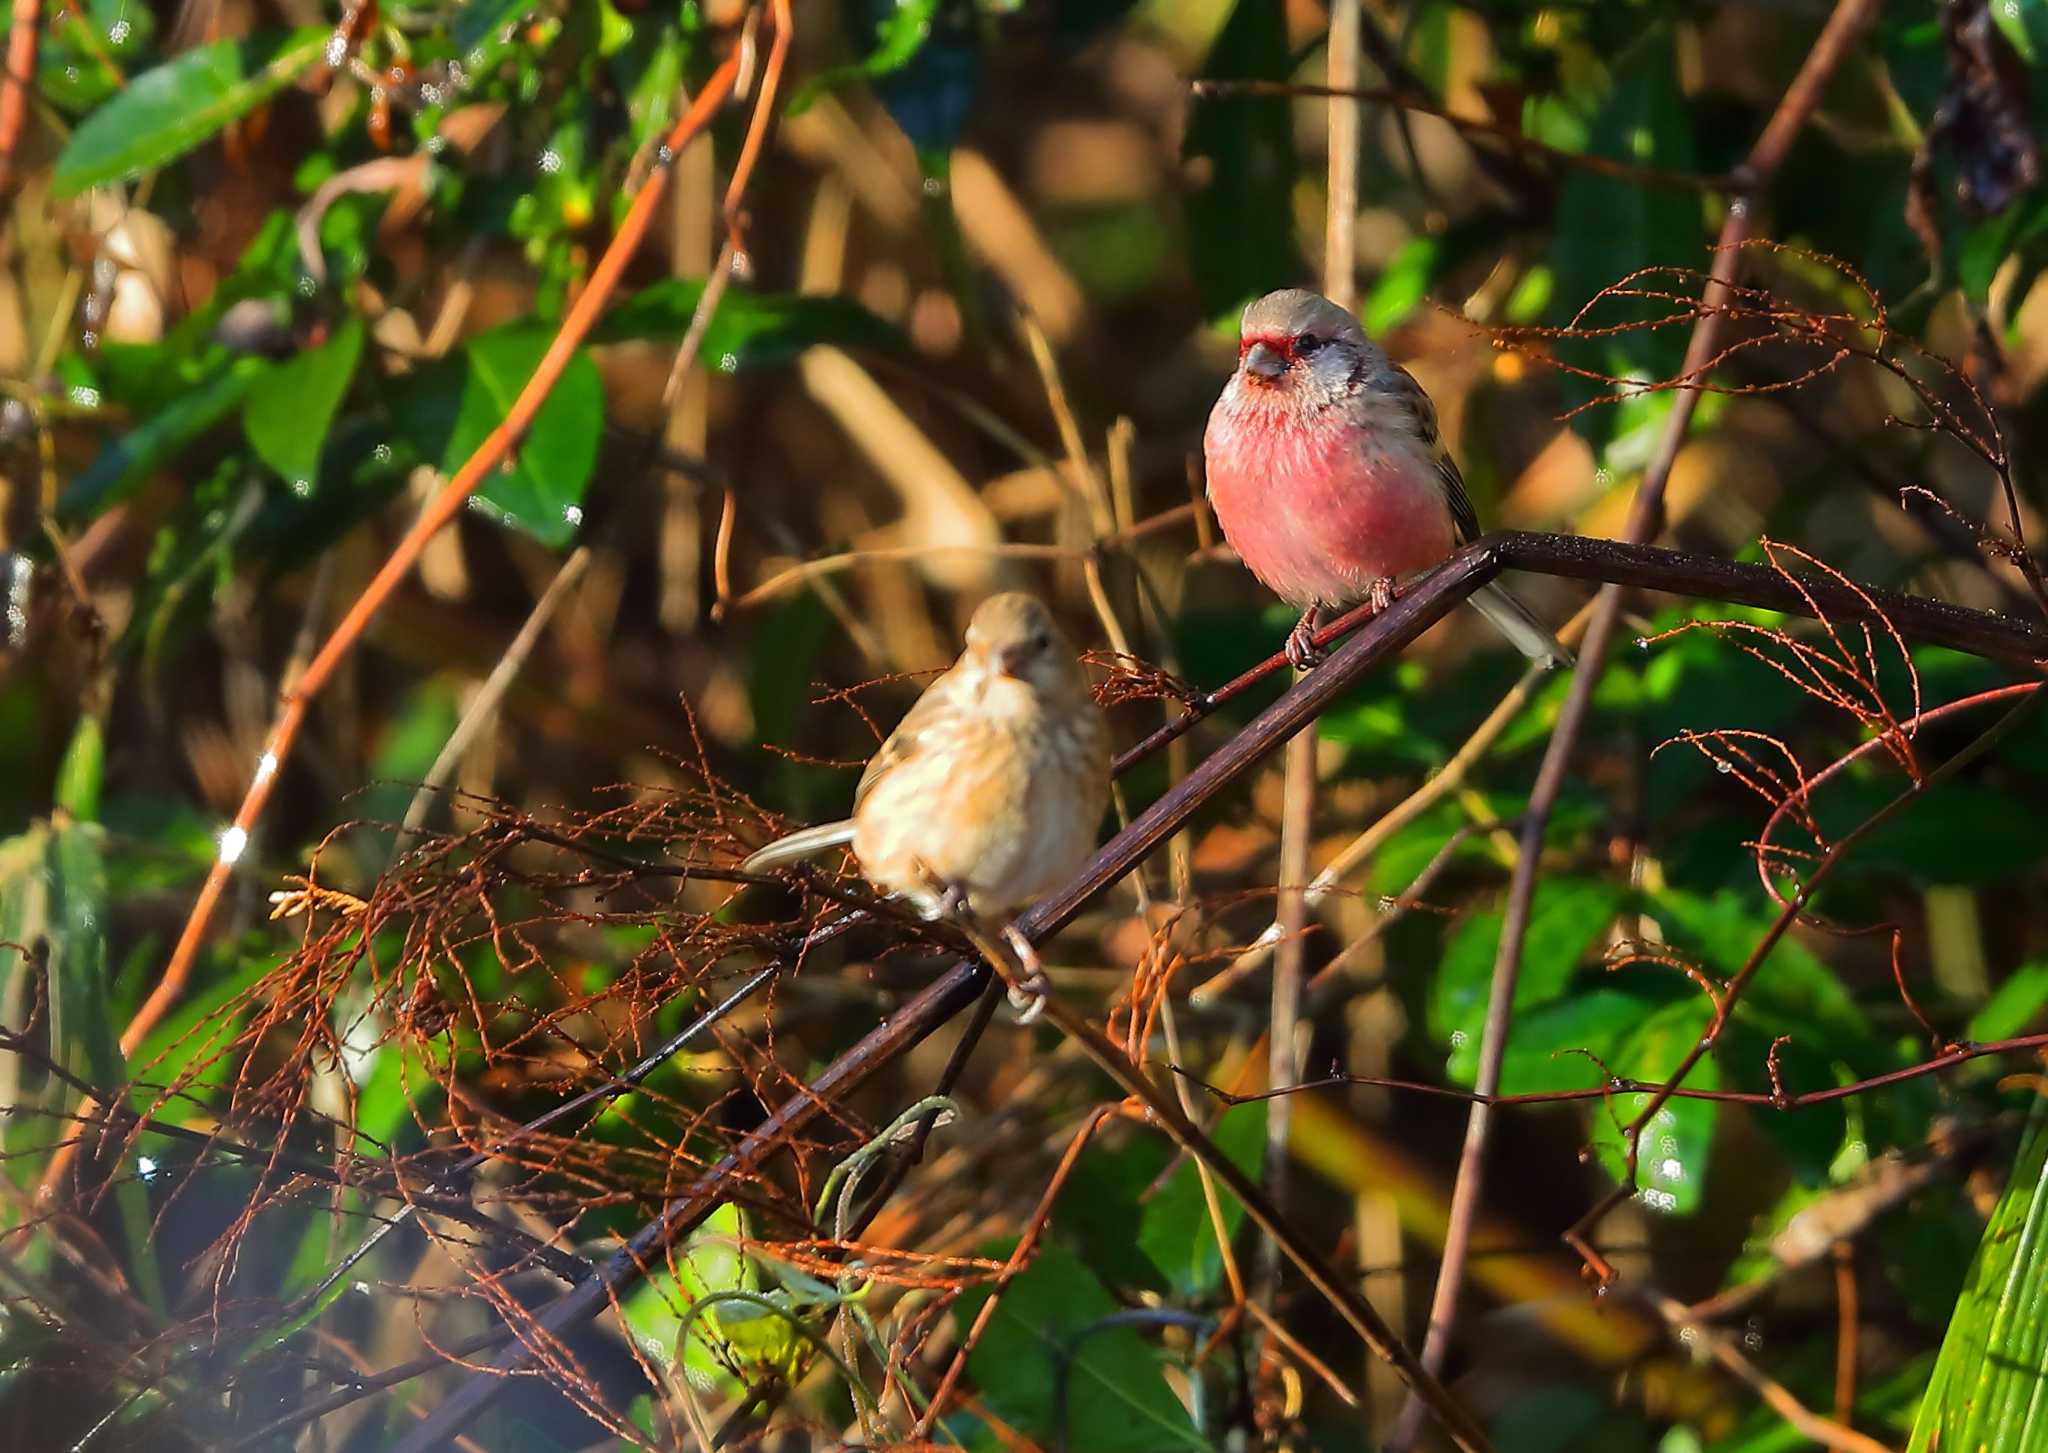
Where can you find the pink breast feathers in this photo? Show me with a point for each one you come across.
(1320, 511)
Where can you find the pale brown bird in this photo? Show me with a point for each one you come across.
(988, 793)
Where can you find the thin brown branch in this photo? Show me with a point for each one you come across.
(1511, 136)
(483, 705)
(1948, 1059)
(496, 447)
(1779, 1398)
(1646, 518)
(1420, 607)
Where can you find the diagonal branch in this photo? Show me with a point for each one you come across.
(1422, 606)
(495, 449)
(1844, 26)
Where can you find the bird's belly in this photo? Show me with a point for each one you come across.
(1319, 515)
(1000, 824)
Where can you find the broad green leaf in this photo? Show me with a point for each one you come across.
(78, 776)
(894, 35)
(1241, 152)
(193, 1038)
(1568, 917)
(53, 901)
(2015, 1005)
(749, 330)
(447, 411)
(1962, 832)
(173, 108)
(88, 48)
(1049, 1322)
(651, 92)
(1671, 1170)
(543, 492)
(121, 467)
(1402, 287)
(290, 409)
(479, 20)
(709, 1263)
(1607, 228)
(1989, 1393)
(1793, 992)
(1810, 1137)
(1103, 1207)
(1176, 1231)
(1543, 1044)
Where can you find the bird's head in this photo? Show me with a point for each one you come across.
(1299, 348)
(1014, 635)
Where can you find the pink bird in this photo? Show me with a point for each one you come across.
(1328, 476)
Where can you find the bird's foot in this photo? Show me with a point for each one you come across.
(938, 899)
(1382, 594)
(1303, 654)
(1027, 995)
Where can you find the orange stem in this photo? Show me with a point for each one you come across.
(495, 448)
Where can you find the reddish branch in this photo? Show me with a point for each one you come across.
(494, 450)
(1773, 1099)
(15, 82)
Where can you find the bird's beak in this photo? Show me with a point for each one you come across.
(1264, 361)
(1012, 661)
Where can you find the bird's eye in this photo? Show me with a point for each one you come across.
(1305, 345)
(1041, 642)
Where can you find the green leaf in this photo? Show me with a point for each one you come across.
(88, 48)
(1103, 1207)
(1543, 1043)
(708, 1263)
(1607, 228)
(1568, 917)
(1241, 153)
(81, 1027)
(78, 776)
(53, 900)
(749, 330)
(1989, 1392)
(121, 467)
(651, 93)
(1671, 1170)
(482, 19)
(290, 409)
(1117, 1399)
(898, 34)
(1793, 992)
(1810, 1137)
(449, 410)
(1176, 1231)
(2013, 1007)
(1962, 832)
(1402, 287)
(173, 108)
(190, 1044)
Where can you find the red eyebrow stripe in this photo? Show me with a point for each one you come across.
(1278, 342)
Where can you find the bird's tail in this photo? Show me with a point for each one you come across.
(798, 845)
(1513, 620)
